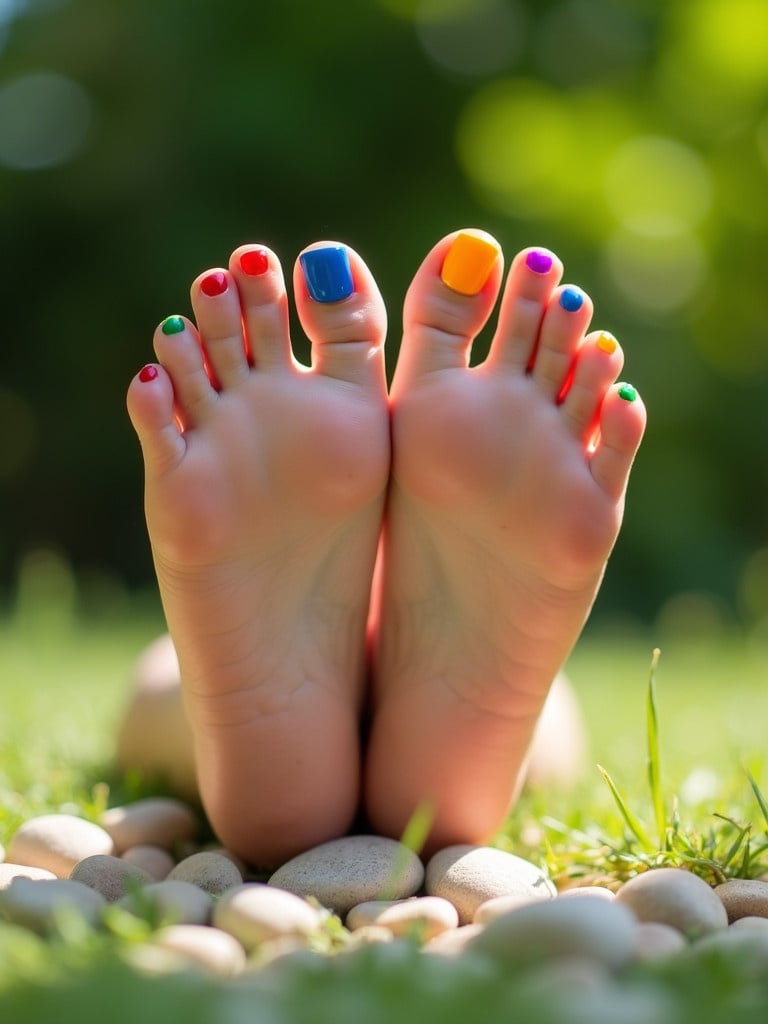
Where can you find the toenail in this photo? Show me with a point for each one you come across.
(327, 273)
(571, 299)
(607, 343)
(148, 373)
(214, 283)
(254, 262)
(538, 261)
(468, 263)
(627, 392)
(172, 325)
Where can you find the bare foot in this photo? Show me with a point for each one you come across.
(264, 496)
(506, 496)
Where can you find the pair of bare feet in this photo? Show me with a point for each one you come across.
(327, 550)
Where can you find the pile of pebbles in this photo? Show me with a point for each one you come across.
(203, 910)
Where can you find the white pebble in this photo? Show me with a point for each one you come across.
(40, 904)
(255, 913)
(675, 897)
(172, 902)
(656, 941)
(212, 872)
(210, 948)
(10, 871)
(345, 872)
(598, 892)
(156, 861)
(454, 942)
(743, 897)
(422, 916)
(155, 821)
(468, 876)
(57, 842)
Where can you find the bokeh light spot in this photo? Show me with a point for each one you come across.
(44, 120)
(657, 275)
(657, 186)
(472, 37)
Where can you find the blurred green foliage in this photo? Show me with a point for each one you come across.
(140, 142)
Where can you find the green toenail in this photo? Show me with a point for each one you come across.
(172, 325)
(627, 392)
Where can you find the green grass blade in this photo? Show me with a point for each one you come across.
(632, 822)
(758, 795)
(654, 758)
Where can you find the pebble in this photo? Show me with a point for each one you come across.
(675, 897)
(210, 871)
(743, 897)
(369, 935)
(748, 946)
(156, 861)
(10, 871)
(254, 913)
(37, 904)
(110, 876)
(468, 876)
(172, 902)
(592, 929)
(595, 891)
(423, 916)
(656, 941)
(157, 821)
(454, 942)
(750, 923)
(57, 842)
(210, 948)
(345, 872)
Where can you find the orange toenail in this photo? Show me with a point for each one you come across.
(607, 343)
(468, 263)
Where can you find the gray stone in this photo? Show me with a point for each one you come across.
(255, 913)
(743, 897)
(171, 902)
(57, 842)
(110, 876)
(212, 872)
(156, 821)
(656, 941)
(675, 897)
(156, 861)
(40, 904)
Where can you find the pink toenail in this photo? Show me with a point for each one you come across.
(539, 262)
(254, 262)
(214, 283)
(148, 373)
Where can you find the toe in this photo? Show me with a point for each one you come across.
(151, 409)
(621, 425)
(448, 303)
(565, 319)
(342, 312)
(597, 364)
(177, 346)
(264, 303)
(533, 277)
(216, 302)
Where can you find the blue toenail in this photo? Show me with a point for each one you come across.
(571, 299)
(327, 273)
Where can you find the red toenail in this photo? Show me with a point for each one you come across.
(214, 284)
(254, 262)
(148, 373)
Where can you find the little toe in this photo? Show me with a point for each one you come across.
(566, 318)
(597, 365)
(621, 426)
(264, 302)
(216, 302)
(342, 312)
(150, 404)
(533, 277)
(449, 302)
(177, 346)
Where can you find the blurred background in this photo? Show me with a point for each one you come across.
(140, 142)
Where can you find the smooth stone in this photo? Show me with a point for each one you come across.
(38, 904)
(500, 905)
(369, 935)
(743, 897)
(656, 941)
(210, 871)
(254, 913)
(156, 821)
(57, 842)
(468, 876)
(345, 872)
(598, 892)
(746, 946)
(423, 916)
(110, 876)
(210, 948)
(675, 897)
(156, 861)
(453, 943)
(10, 871)
(750, 923)
(557, 755)
(587, 929)
(288, 948)
(172, 902)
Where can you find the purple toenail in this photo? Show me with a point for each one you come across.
(539, 262)
(571, 299)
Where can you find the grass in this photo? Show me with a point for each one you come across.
(681, 783)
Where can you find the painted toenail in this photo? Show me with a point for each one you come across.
(571, 299)
(607, 343)
(327, 273)
(148, 373)
(214, 283)
(539, 262)
(468, 263)
(172, 325)
(254, 262)
(627, 392)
